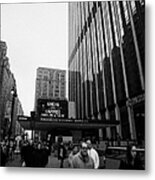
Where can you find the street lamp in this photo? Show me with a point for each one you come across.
(14, 95)
(33, 117)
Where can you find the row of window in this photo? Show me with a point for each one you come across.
(87, 10)
(47, 77)
(104, 66)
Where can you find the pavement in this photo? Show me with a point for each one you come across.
(112, 162)
(15, 161)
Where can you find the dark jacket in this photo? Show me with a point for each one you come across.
(27, 154)
(3, 157)
(40, 158)
(136, 165)
(61, 152)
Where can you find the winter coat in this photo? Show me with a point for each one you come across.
(82, 162)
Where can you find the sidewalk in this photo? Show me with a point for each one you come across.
(53, 162)
(15, 162)
(112, 162)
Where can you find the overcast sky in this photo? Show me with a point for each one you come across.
(36, 36)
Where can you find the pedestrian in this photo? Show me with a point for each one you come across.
(28, 154)
(93, 154)
(3, 155)
(46, 152)
(132, 161)
(11, 149)
(82, 160)
(73, 152)
(61, 153)
(118, 137)
(40, 156)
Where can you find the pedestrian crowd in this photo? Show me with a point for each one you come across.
(83, 155)
(34, 154)
(7, 148)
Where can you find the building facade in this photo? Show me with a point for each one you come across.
(50, 84)
(107, 65)
(7, 83)
(18, 111)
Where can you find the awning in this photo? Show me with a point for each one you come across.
(46, 125)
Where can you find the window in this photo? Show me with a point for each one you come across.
(126, 11)
(45, 78)
(133, 7)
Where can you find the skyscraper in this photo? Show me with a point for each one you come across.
(106, 64)
(7, 106)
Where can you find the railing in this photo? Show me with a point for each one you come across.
(116, 148)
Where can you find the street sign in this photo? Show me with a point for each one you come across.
(136, 100)
(23, 118)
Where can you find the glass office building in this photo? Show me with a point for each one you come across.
(107, 64)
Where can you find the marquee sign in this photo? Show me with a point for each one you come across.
(52, 108)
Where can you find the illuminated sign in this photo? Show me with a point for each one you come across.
(23, 118)
(52, 108)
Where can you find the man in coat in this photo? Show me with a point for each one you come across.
(82, 160)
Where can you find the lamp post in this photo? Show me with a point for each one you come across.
(14, 95)
(33, 117)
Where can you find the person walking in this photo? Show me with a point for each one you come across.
(82, 160)
(40, 156)
(61, 153)
(27, 154)
(93, 154)
(73, 152)
(132, 161)
(3, 155)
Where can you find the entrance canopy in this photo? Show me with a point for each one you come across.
(49, 124)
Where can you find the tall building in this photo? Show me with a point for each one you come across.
(18, 111)
(7, 84)
(50, 84)
(107, 64)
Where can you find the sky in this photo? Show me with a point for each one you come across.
(37, 36)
